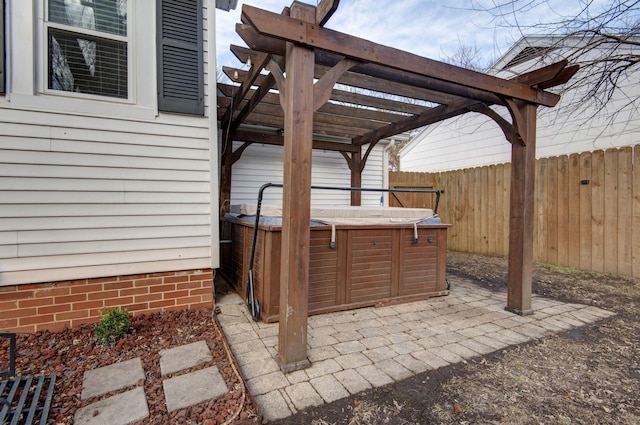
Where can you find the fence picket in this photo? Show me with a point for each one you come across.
(484, 210)
(635, 227)
(499, 207)
(610, 210)
(476, 229)
(538, 214)
(585, 211)
(597, 211)
(491, 208)
(574, 211)
(563, 210)
(625, 196)
(469, 210)
(550, 213)
(506, 207)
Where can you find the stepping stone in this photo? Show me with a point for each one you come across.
(121, 409)
(184, 357)
(113, 377)
(193, 388)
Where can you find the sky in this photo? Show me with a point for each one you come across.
(429, 28)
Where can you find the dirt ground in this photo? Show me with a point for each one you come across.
(586, 376)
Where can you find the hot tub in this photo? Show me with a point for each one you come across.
(359, 256)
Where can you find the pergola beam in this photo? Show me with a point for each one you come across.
(297, 31)
(372, 77)
(541, 75)
(432, 116)
(277, 140)
(377, 79)
(393, 83)
(563, 76)
(325, 10)
(377, 102)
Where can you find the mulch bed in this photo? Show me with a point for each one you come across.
(70, 352)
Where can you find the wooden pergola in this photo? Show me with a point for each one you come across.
(303, 103)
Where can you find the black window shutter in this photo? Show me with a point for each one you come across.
(180, 57)
(2, 73)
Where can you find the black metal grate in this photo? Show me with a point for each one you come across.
(26, 399)
(23, 399)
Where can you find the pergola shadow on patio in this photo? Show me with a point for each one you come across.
(304, 103)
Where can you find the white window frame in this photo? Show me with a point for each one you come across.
(46, 57)
(27, 66)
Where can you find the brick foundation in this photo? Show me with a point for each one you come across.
(57, 305)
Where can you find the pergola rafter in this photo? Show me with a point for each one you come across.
(309, 87)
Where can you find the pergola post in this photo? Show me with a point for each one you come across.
(297, 103)
(356, 178)
(523, 150)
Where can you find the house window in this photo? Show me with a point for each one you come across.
(87, 47)
(180, 57)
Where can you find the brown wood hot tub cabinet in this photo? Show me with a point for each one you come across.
(371, 265)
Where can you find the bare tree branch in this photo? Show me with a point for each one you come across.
(603, 38)
(469, 57)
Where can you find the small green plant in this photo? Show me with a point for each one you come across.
(112, 326)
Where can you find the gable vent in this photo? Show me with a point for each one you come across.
(528, 53)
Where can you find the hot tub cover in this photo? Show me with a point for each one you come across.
(345, 215)
(370, 215)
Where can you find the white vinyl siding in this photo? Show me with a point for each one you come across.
(121, 198)
(458, 143)
(98, 189)
(262, 164)
(373, 177)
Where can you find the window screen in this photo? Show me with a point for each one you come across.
(87, 47)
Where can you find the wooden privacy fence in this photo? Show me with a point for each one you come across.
(587, 209)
